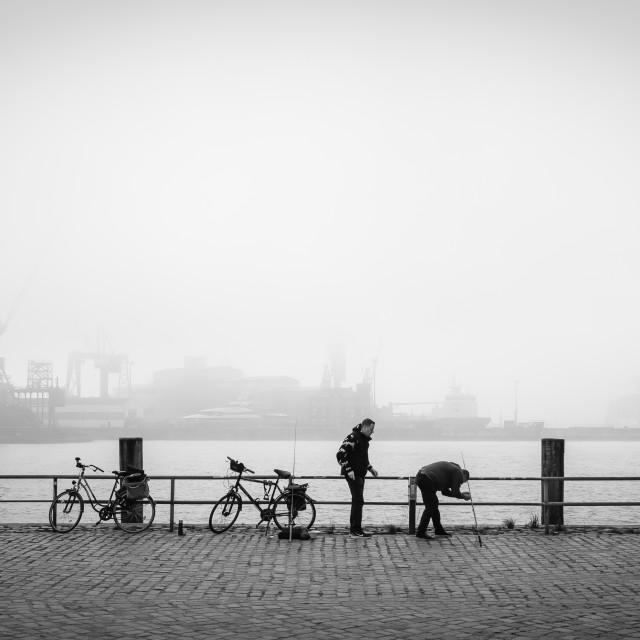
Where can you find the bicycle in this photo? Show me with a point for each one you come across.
(129, 504)
(290, 506)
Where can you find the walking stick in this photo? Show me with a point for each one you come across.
(464, 464)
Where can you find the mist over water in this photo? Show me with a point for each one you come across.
(496, 459)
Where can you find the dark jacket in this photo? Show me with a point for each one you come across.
(353, 454)
(445, 477)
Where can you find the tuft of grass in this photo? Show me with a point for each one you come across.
(534, 521)
(391, 528)
(331, 529)
(510, 523)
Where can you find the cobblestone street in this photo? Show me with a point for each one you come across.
(99, 582)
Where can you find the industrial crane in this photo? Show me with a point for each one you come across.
(105, 360)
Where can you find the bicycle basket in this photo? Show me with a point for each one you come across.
(238, 467)
(136, 486)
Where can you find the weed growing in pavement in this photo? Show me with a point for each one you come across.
(534, 521)
(510, 523)
(331, 529)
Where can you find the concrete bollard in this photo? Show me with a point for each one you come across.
(552, 490)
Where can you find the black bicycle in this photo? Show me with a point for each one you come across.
(129, 504)
(288, 506)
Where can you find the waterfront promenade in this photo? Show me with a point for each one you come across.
(99, 582)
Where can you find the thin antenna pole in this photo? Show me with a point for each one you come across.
(464, 464)
(293, 475)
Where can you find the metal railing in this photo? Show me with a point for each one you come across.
(411, 502)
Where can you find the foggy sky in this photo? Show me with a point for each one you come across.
(451, 187)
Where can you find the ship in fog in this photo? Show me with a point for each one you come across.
(454, 417)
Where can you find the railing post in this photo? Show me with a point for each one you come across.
(171, 504)
(553, 466)
(412, 505)
(55, 506)
(545, 506)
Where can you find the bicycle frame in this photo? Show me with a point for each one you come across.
(83, 483)
(265, 513)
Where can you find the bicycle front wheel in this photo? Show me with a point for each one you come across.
(65, 511)
(299, 514)
(134, 516)
(224, 513)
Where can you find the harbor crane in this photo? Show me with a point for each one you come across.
(106, 361)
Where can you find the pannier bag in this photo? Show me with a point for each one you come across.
(297, 492)
(136, 485)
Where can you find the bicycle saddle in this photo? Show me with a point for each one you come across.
(282, 474)
(120, 474)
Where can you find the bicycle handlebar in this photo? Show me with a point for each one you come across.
(84, 466)
(240, 464)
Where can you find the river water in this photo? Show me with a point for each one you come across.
(483, 459)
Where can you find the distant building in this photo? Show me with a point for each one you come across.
(624, 411)
(331, 408)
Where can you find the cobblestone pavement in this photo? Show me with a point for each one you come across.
(99, 582)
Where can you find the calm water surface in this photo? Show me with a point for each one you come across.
(494, 459)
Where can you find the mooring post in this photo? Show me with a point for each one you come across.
(552, 490)
(412, 505)
(131, 456)
(131, 453)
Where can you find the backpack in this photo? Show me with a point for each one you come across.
(297, 533)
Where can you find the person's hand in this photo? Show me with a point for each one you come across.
(374, 473)
(466, 495)
(351, 475)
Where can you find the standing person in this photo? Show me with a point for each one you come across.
(353, 457)
(447, 478)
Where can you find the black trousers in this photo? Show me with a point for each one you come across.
(357, 502)
(431, 503)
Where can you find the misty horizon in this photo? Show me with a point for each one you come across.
(448, 191)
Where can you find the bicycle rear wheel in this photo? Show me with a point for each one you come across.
(284, 512)
(224, 513)
(134, 516)
(65, 511)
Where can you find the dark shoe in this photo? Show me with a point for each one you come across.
(424, 536)
(442, 532)
(359, 534)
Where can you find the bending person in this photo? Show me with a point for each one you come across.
(447, 478)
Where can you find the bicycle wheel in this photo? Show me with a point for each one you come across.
(134, 516)
(282, 511)
(65, 511)
(225, 512)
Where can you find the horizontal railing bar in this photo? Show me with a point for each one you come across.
(399, 504)
(232, 478)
